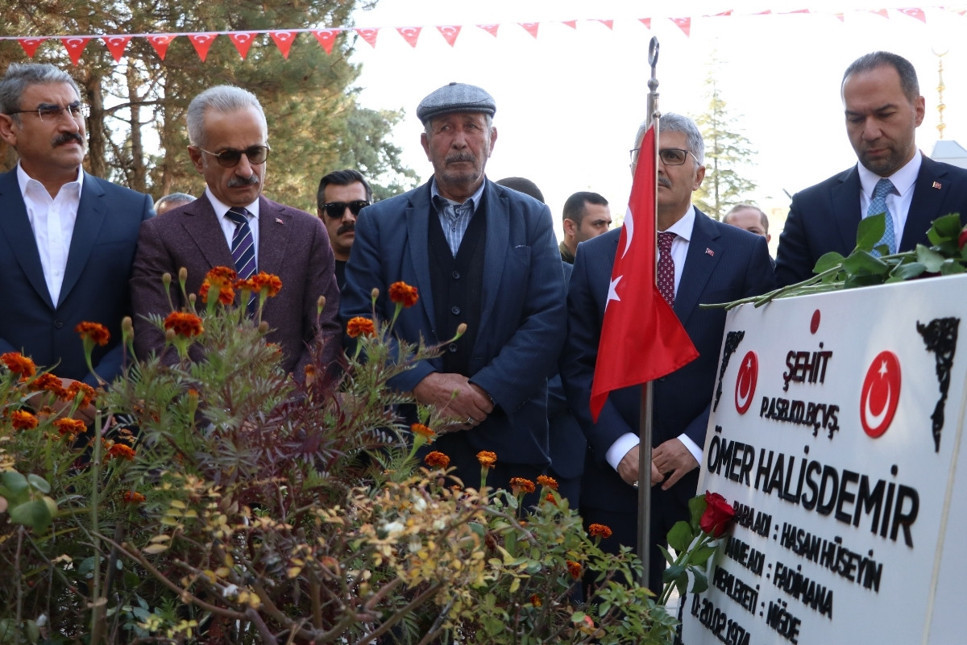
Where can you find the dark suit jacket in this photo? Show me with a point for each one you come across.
(522, 315)
(95, 281)
(293, 245)
(825, 217)
(723, 264)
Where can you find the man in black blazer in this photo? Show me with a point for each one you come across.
(67, 238)
(883, 106)
(714, 263)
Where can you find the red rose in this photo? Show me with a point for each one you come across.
(962, 239)
(717, 516)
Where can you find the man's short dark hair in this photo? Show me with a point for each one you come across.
(903, 67)
(341, 178)
(574, 206)
(763, 218)
(522, 185)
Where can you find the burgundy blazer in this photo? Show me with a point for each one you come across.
(292, 245)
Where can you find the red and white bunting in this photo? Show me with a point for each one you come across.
(608, 23)
(410, 34)
(116, 45)
(326, 38)
(30, 45)
(283, 41)
(160, 43)
(75, 46)
(915, 13)
(369, 35)
(685, 24)
(202, 43)
(450, 33)
(530, 27)
(490, 29)
(243, 41)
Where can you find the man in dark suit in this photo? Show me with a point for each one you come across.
(67, 238)
(883, 108)
(229, 147)
(479, 254)
(713, 263)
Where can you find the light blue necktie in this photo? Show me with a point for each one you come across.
(878, 205)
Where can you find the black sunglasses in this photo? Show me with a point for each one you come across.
(229, 157)
(335, 210)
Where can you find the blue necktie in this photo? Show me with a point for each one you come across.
(243, 244)
(878, 205)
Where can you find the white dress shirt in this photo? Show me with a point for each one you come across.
(897, 202)
(228, 226)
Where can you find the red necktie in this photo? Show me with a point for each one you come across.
(666, 267)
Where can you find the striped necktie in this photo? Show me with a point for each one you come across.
(243, 244)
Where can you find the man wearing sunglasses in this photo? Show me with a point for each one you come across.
(479, 254)
(341, 195)
(233, 225)
(67, 238)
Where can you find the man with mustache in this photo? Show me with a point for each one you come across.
(341, 195)
(67, 238)
(232, 224)
(883, 107)
(479, 254)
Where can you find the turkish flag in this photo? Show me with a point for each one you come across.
(641, 337)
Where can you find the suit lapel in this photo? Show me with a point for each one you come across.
(201, 225)
(91, 213)
(495, 254)
(15, 227)
(846, 209)
(417, 217)
(272, 243)
(928, 195)
(704, 253)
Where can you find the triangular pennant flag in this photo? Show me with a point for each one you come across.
(607, 23)
(841, 17)
(369, 35)
(410, 34)
(573, 24)
(530, 27)
(283, 40)
(75, 46)
(722, 14)
(763, 13)
(450, 33)
(160, 43)
(646, 22)
(326, 38)
(30, 45)
(685, 24)
(242, 41)
(783, 13)
(915, 13)
(881, 12)
(202, 43)
(491, 29)
(116, 45)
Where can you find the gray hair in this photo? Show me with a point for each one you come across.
(221, 98)
(20, 76)
(671, 122)
(428, 126)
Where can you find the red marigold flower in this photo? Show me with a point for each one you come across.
(133, 497)
(70, 427)
(184, 324)
(359, 326)
(547, 482)
(550, 498)
(95, 332)
(121, 451)
(518, 484)
(599, 530)
(23, 420)
(76, 388)
(574, 568)
(403, 294)
(487, 458)
(19, 364)
(436, 459)
(422, 430)
(49, 382)
(271, 283)
(536, 600)
(222, 279)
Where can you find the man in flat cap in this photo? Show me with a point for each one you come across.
(479, 254)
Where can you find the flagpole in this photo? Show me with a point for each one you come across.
(645, 418)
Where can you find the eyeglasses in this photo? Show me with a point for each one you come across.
(336, 210)
(229, 157)
(670, 156)
(48, 112)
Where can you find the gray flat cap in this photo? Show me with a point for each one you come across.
(455, 97)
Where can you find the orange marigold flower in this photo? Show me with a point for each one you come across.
(599, 530)
(133, 497)
(184, 324)
(23, 420)
(95, 332)
(547, 482)
(487, 458)
(49, 382)
(271, 283)
(550, 498)
(222, 279)
(121, 451)
(574, 568)
(360, 326)
(76, 388)
(536, 600)
(70, 427)
(422, 430)
(19, 364)
(518, 484)
(436, 459)
(403, 294)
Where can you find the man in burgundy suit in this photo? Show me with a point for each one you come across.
(228, 138)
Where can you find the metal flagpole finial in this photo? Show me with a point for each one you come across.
(653, 81)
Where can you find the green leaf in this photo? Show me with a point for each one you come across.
(669, 558)
(673, 572)
(931, 259)
(864, 263)
(944, 228)
(14, 481)
(701, 555)
(34, 514)
(680, 536)
(828, 261)
(906, 271)
(700, 582)
(39, 483)
(870, 231)
(696, 509)
(951, 267)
